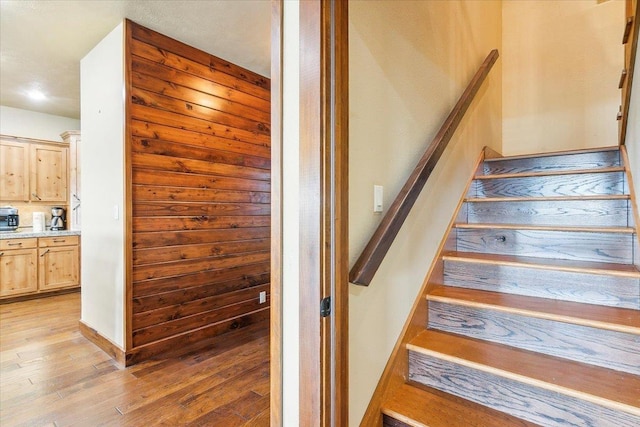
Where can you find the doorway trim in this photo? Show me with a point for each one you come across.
(275, 327)
(323, 236)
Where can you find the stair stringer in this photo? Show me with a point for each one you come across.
(634, 204)
(396, 370)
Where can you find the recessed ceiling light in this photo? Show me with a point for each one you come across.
(37, 95)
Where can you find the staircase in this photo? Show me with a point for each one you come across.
(535, 319)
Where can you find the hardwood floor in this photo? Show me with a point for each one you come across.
(50, 375)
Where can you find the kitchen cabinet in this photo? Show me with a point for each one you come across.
(73, 138)
(38, 265)
(59, 265)
(18, 267)
(33, 170)
(48, 173)
(14, 171)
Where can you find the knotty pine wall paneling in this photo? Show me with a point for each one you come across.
(200, 156)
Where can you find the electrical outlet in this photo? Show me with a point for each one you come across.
(263, 297)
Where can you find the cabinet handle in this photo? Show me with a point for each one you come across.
(14, 244)
(44, 253)
(59, 240)
(36, 196)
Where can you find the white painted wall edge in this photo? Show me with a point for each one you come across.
(102, 163)
(290, 215)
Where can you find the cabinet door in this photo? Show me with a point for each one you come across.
(59, 267)
(14, 171)
(18, 271)
(49, 173)
(73, 217)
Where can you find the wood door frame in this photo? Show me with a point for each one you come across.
(323, 61)
(275, 327)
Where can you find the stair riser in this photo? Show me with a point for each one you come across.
(609, 349)
(601, 159)
(614, 291)
(579, 246)
(587, 213)
(591, 184)
(534, 404)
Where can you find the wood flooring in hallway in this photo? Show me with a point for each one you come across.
(50, 375)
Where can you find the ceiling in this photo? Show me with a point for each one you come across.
(42, 42)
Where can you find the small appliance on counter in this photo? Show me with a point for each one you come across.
(58, 219)
(9, 219)
(38, 222)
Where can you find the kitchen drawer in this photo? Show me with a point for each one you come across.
(48, 242)
(6, 244)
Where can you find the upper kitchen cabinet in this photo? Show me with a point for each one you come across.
(48, 179)
(73, 138)
(14, 170)
(33, 170)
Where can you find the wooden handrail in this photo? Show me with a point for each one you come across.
(627, 30)
(367, 264)
(630, 40)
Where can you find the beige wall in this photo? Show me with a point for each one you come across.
(409, 63)
(561, 65)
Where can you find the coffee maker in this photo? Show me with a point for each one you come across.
(9, 219)
(58, 218)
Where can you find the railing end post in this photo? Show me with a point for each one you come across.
(357, 277)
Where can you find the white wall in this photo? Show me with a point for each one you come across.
(409, 63)
(31, 124)
(102, 112)
(562, 62)
(291, 217)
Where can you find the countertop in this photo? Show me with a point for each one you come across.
(28, 233)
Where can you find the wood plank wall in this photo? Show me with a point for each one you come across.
(199, 147)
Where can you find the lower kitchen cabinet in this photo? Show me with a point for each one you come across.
(58, 263)
(18, 267)
(39, 265)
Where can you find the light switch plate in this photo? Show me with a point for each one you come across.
(377, 198)
(263, 297)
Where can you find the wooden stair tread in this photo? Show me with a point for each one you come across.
(543, 377)
(547, 199)
(553, 153)
(614, 389)
(493, 226)
(623, 270)
(550, 173)
(598, 316)
(422, 406)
